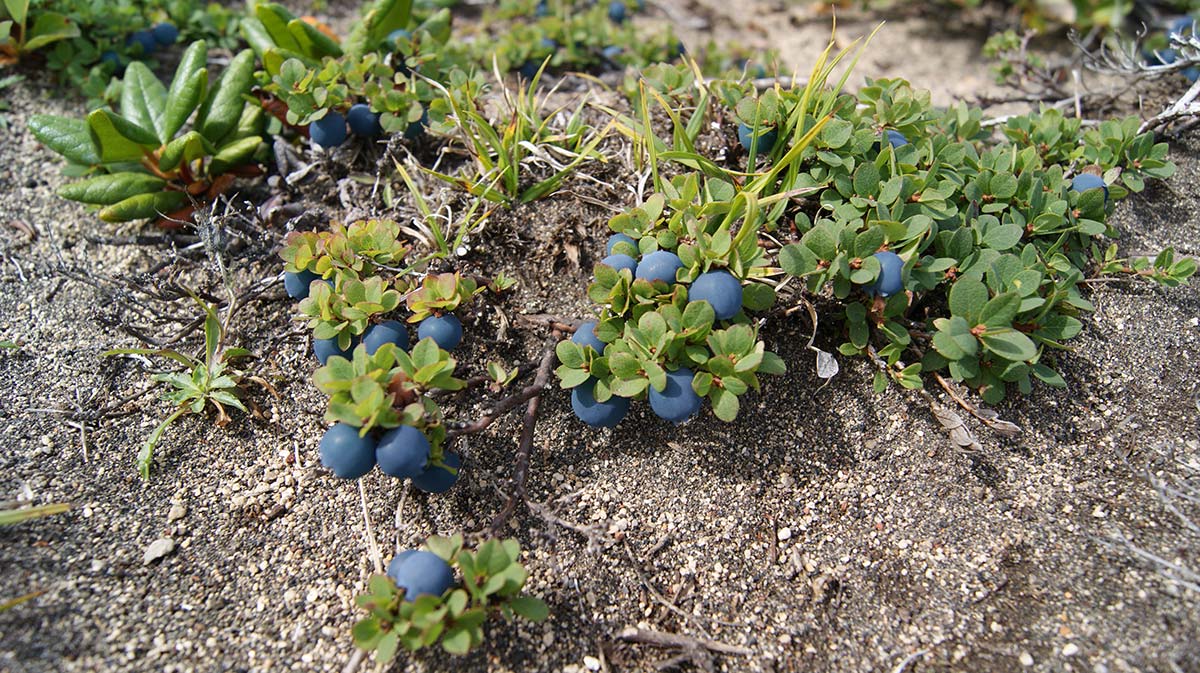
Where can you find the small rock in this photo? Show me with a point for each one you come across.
(158, 549)
(591, 663)
(176, 513)
(1026, 659)
(784, 534)
(1070, 650)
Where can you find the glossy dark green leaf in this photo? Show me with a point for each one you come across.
(187, 89)
(187, 147)
(119, 139)
(69, 137)
(143, 206)
(223, 107)
(313, 41)
(50, 27)
(234, 154)
(105, 190)
(143, 98)
(274, 19)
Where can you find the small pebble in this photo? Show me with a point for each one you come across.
(158, 549)
(1070, 650)
(1026, 659)
(591, 663)
(784, 534)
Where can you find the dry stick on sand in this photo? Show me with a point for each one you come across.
(521, 471)
(695, 650)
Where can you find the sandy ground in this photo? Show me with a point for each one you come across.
(825, 530)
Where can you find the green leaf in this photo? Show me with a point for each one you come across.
(186, 148)
(17, 9)
(187, 89)
(313, 41)
(234, 154)
(119, 139)
(1001, 310)
(274, 19)
(758, 297)
(50, 27)
(108, 189)
(457, 640)
(797, 260)
(1009, 344)
(143, 206)
(143, 98)
(968, 296)
(223, 107)
(533, 609)
(72, 138)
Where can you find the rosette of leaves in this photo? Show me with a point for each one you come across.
(361, 249)
(18, 37)
(144, 159)
(390, 388)
(492, 580)
(345, 310)
(439, 294)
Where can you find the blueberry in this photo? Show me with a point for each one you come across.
(721, 290)
(619, 262)
(616, 11)
(297, 284)
(392, 41)
(327, 348)
(446, 331)
(585, 335)
(347, 454)
(659, 265)
(419, 573)
(417, 129)
(548, 44)
(765, 141)
(619, 238)
(1184, 26)
(612, 52)
(542, 9)
(165, 34)
(402, 452)
(677, 402)
(363, 122)
(891, 277)
(390, 332)
(528, 69)
(113, 59)
(144, 39)
(438, 479)
(597, 414)
(1088, 181)
(896, 138)
(328, 131)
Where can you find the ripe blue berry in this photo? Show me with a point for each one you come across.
(585, 335)
(347, 454)
(328, 131)
(393, 39)
(605, 414)
(542, 9)
(611, 52)
(402, 452)
(165, 34)
(721, 290)
(113, 59)
(446, 331)
(363, 122)
(419, 573)
(891, 277)
(438, 479)
(766, 141)
(677, 402)
(327, 348)
(1087, 181)
(619, 262)
(619, 238)
(896, 138)
(417, 129)
(390, 332)
(659, 265)
(297, 284)
(616, 11)
(145, 40)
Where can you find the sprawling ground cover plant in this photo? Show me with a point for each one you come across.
(144, 159)
(944, 248)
